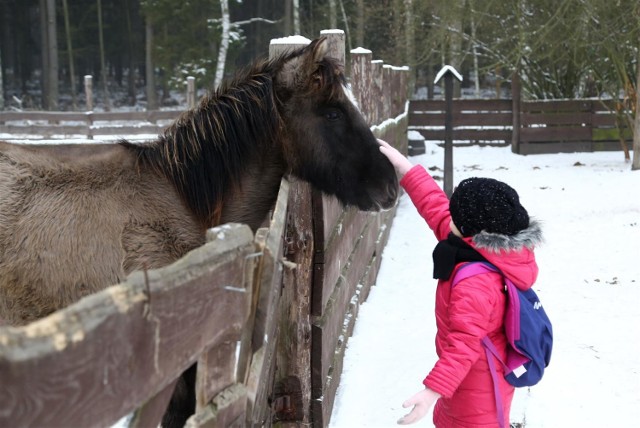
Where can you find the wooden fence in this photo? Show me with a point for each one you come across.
(531, 127)
(265, 316)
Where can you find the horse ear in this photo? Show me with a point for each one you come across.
(319, 48)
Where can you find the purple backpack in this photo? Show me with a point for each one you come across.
(528, 331)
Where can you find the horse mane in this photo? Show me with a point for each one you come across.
(203, 152)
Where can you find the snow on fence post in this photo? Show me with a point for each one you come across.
(191, 92)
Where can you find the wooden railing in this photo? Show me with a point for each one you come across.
(265, 316)
(529, 126)
(59, 125)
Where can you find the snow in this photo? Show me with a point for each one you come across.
(589, 283)
(291, 40)
(447, 69)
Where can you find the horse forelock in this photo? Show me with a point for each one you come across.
(204, 152)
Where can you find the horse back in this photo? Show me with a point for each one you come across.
(75, 219)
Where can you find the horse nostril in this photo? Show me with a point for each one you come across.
(393, 191)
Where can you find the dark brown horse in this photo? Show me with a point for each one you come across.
(75, 219)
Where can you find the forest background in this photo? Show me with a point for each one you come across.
(561, 48)
(138, 51)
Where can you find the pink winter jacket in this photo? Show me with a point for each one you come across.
(469, 311)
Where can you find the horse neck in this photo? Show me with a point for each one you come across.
(213, 152)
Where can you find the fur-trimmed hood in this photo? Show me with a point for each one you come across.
(496, 242)
(513, 255)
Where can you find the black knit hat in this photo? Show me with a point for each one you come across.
(486, 204)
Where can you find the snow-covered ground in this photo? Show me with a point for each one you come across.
(589, 282)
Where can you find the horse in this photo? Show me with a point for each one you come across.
(77, 218)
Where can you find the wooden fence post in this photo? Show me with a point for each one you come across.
(191, 92)
(448, 72)
(88, 91)
(291, 393)
(516, 93)
(335, 40)
(362, 82)
(377, 91)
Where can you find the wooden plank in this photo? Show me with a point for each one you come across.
(139, 332)
(150, 414)
(226, 411)
(468, 134)
(141, 128)
(325, 386)
(535, 148)
(462, 119)
(46, 131)
(611, 134)
(603, 120)
(426, 118)
(327, 210)
(49, 116)
(482, 119)
(555, 134)
(260, 376)
(293, 358)
(337, 252)
(328, 326)
(556, 106)
(554, 119)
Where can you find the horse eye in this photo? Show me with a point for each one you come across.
(333, 115)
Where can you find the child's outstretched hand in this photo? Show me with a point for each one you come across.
(421, 402)
(397, 159)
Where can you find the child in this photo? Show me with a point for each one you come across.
(484, 221)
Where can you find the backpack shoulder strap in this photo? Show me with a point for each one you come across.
(471, 269)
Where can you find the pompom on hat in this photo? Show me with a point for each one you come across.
(485, 204)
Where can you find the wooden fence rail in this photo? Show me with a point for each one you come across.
(57, 125)
(265, 316)
(529, 126)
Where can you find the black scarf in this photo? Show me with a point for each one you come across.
(451, 251)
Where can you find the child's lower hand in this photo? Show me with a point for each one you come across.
(421, 402)
(397, 159)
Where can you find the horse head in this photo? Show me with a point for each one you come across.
(327, 140)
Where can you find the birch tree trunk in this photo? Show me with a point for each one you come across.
(224, 43)
(296, 17)
(72, 72)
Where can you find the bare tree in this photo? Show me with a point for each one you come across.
(72, 73)
(1, 85)
(52, 55)
(333, 14)
(152, 99)
(103, 67)
(635, 164)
